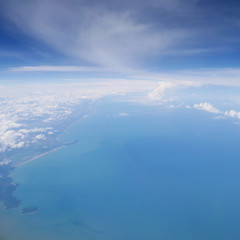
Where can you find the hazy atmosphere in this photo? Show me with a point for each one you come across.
(119, 120)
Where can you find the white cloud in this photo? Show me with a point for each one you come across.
(158, 93)
(40, 137)
(5, 162)
(232, 113)
(221, 114)
(32, 113)
(11, 140)
(123, 114)
(207, 107)
(47, 106)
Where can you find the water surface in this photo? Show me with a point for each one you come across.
(156, 173)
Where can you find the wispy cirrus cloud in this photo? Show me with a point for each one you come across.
(121, 35)
(116, 35)
(107, 38)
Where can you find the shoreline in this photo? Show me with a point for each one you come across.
(12, 187)
(38, 156)
(57, 138)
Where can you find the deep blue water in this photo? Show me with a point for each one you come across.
(157, 174)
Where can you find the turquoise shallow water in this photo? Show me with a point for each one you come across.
(155, 174)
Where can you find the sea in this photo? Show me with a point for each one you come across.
(134, 172)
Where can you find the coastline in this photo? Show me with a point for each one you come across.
(38, 156)
(57, 138)
(7, 182)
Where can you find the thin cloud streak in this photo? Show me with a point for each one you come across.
(197, 77)
(55, 69)
(192, 78)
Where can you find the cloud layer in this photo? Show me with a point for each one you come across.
(31, 115)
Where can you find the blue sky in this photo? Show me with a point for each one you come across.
(117, 38)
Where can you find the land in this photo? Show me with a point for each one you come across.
(19, 157)
(7, 187)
